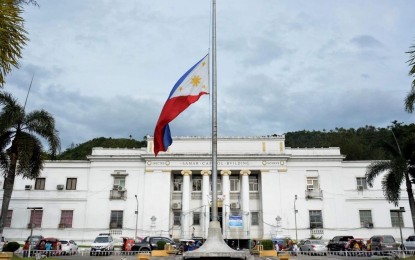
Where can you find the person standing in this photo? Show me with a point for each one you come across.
(277, 247)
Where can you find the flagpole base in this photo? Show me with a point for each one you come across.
(215, 247)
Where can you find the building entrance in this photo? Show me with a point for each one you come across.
(219, 215)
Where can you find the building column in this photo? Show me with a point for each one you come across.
(226, 201)
(185, 216)
(245, 202)
(205, 201)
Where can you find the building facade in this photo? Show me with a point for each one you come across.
(265, 190)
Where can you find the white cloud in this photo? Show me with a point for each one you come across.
(105, 68)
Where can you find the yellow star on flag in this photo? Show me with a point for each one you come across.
(195, 81)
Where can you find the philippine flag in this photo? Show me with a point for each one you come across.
(193, 84)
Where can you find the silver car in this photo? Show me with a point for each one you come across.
(313, 245)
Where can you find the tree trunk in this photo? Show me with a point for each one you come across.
(8, 189)
(410, 198)
(8, 184)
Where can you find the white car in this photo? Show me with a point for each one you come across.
(409, 243)
(313, 245)
(102, 245)
(69, 247)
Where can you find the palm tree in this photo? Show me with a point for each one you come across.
(21, 150)
(397, 170)
(410, 98)
(12, 36)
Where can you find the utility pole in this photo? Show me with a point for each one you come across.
(295, 218)
(136, 217)
(33, 209)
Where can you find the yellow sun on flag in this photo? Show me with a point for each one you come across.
(195, 81)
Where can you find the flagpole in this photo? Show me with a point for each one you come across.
(214, 118)
(215, 246)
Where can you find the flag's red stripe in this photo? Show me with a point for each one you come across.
(172, 108)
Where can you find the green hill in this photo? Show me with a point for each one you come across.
(364, 143)
(81, 151)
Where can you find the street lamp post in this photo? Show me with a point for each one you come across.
(33, 209)
(399, 211)
(295, 217)
(153, 224)
(136, 216)
(278, 219)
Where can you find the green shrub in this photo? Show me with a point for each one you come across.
(268, 245)
(11, 247)
(161, 244)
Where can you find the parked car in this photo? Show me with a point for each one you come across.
(150, 243)
(33, 241)
(383, 243)
(103, 244)
(313, 245)
(338, 243)
(55, 246)
(69, 247)
(409, 243)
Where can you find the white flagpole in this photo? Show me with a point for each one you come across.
(214, 118)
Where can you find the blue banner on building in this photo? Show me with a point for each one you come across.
(235, 221)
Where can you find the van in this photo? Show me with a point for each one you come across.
(383, 243)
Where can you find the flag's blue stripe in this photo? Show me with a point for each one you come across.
(167, 140)
(184, 77)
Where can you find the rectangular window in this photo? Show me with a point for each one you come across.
(361, 183)
(177, 182)
(218, 185)
(119, 182)
(196, 218)
(365, 218)
(395, 219)
(36, 218)
(253, 183)
(40, 183)
(66, 218)
(116, 219)
(197, 184)
(316, 219)
(71, 183)
(177, 218)
(8, 222)
(312, 184)
(254, 218)
(234, 183)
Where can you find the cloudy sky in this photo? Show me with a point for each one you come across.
(105, 68)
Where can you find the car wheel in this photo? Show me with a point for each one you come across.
(145, 250)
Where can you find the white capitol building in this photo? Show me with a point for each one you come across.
(260, 184)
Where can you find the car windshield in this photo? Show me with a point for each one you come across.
(317, 242)
(34, 240)
(388, 240)
(101, 240)
(63, 241)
